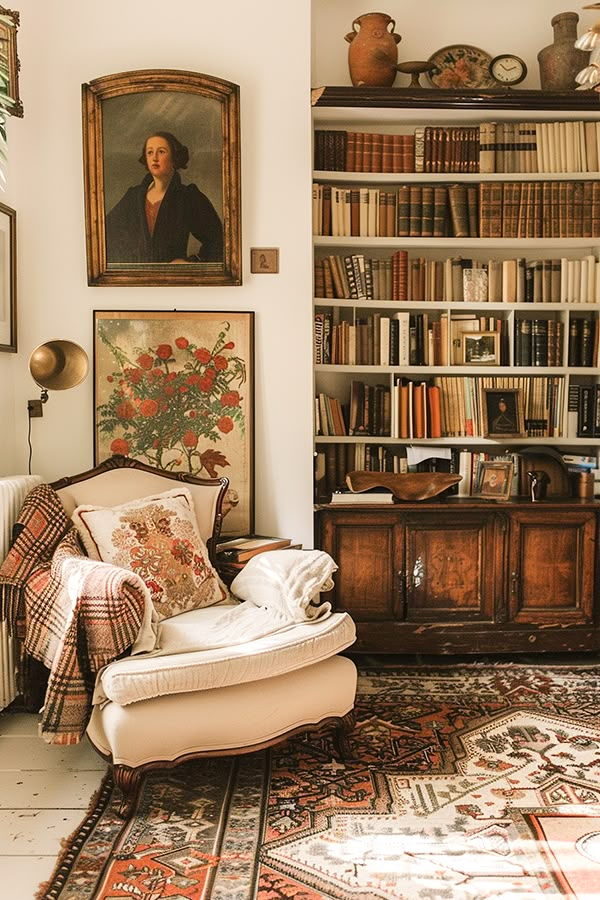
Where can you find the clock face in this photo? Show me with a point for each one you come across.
(508, 69)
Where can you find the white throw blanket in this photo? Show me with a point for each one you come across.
(281, 589)
(288, 582)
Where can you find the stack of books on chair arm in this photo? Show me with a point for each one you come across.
(241, 549)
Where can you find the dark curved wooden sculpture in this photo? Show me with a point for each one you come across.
(406, 486)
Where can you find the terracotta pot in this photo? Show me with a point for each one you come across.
(373, 51)
(561, 61)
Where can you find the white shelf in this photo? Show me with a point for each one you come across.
(454, 306)
(459, 441)
(394, 243)
(334, 177)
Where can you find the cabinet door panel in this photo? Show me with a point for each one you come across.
(450, 567)
(368, 551)
(551, 567)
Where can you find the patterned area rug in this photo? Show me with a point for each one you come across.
(468, 781)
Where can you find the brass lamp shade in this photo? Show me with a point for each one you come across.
(58, 365)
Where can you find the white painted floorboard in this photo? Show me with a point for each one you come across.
(44, 792)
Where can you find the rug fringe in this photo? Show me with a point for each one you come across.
(51, 889)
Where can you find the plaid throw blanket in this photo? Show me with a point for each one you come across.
(74, 614)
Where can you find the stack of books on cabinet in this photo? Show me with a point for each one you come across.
(456, 252)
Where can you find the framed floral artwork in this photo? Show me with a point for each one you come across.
(161, 157)
(176, 390)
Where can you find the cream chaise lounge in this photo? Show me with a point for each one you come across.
(154, 711)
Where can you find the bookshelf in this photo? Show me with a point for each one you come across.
(477, 273)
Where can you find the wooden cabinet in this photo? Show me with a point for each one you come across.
(465, 576)
(551, 567)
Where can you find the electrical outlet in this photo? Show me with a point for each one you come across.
(35, 409)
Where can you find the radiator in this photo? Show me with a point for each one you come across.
(13, 490)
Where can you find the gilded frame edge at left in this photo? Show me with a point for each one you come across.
(8, 221)
(12, 59)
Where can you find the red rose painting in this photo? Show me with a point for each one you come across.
(175, 390)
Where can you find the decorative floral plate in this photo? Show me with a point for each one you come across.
(460, 66)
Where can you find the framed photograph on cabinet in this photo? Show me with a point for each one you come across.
(8, 279)
(480, 348)
(9, 22)
(176, 390)
(495, 479)
(161, 156)
(502, 413)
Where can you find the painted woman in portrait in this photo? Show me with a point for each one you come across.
(155, 220)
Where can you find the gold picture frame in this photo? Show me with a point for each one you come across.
(494, 479)
(176, 391)
(8, 279)
(503, 413)
(8, 50)
(480, 348)
(195, 237)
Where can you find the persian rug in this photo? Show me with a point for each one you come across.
(467, 781)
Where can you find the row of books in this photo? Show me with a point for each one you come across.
(539, 342)
(336, 150)
(465, 413)
(330, 416)
(419, 339)
(406, 339)
(415, 210)
(584, 341)
(402, 277)
(450, 406)
(545, 147)
(493, 209)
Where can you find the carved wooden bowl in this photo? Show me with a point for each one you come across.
(408, 486)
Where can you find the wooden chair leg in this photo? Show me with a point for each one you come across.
(128, 781)
(341, 736)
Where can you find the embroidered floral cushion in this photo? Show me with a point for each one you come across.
(158, 538)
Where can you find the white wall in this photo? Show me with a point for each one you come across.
(265, 47)
(267, 52)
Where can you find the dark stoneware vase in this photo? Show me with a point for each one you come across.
(561, 61)
(373, 51)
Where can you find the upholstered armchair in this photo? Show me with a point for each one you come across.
(160, 662)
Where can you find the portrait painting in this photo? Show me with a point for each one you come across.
(502, 413)
(162, 180)
(175, 390)
(495, 479)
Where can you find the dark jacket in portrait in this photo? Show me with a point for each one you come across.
(184, 210)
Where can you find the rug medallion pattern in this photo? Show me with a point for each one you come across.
(466, 782)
